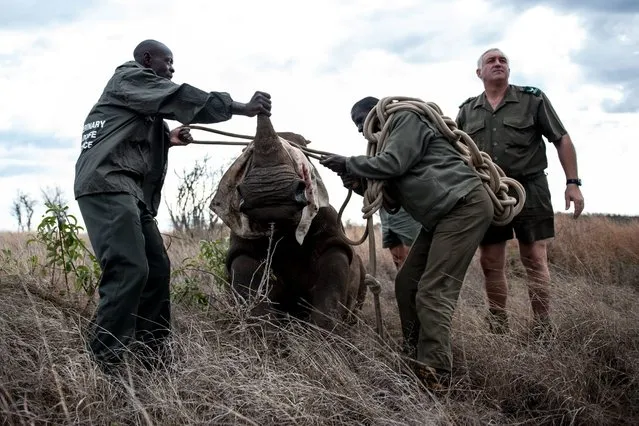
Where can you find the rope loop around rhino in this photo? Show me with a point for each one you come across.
(313, 153)
(495, 181)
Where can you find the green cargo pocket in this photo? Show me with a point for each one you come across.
(519, 131)
(474, 129)
(538, 199)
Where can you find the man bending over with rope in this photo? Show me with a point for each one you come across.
(423, 171)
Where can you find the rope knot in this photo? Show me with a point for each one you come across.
(372, 283)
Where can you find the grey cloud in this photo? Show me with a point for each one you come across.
(19, 170)
(30, 13)
(608, 6)
(611, 56)
(14, 140)
(411, 33)
(610, 53)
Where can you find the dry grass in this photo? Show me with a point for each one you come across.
(225, 371)
(604, 250)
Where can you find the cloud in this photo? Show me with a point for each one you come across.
(31, 13)
(419, 34)
(19, 140)
(18, 170)
(610, 50)
(611, 56)
(609, 6)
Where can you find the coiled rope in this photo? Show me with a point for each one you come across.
(493, 178)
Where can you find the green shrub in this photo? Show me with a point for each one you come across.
(59, 233)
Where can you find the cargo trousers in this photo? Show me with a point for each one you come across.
(428, 284)
(134, 295)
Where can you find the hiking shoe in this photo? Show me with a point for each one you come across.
(497, 321)
(435, 380)
(543, 329)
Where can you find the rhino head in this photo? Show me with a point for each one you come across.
(272, 191)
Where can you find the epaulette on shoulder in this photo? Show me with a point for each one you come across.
(472, 98)
(530, 89)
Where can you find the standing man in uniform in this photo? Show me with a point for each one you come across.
(508, 122)
(118, 182)
(424, 172)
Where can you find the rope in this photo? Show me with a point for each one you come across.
(313, 153)
(492, 176)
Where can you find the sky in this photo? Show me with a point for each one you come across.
(316, 59)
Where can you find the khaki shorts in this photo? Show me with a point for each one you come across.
(398, 228)
(534, 223)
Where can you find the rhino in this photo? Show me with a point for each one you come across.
(272, 198)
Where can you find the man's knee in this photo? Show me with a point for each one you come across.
(405, 286)
(493, 257)
(160, 267)
(534, 255)
(134, 271)
(156, 254)
(399, 253)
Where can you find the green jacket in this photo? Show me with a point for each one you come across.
(422, 169)
(125, 140)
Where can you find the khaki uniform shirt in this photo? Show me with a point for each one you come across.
(511, 134)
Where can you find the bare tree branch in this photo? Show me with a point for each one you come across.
(22, 210)
(190, 213)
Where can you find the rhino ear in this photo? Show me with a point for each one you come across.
(295, 138)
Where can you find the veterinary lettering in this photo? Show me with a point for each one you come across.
(90, 133)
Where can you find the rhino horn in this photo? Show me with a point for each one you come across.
(268, 149)
(266, 140)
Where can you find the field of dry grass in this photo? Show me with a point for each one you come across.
(225, 372)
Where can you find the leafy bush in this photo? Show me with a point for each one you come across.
(59, 233)
(207, 267)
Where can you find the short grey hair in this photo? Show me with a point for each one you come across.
(492, 49)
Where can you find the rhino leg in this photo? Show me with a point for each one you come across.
(246, 275)
(357, 289)
(329, 292)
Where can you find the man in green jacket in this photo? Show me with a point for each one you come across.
(431, 181)
(399, 230)
(118, 181)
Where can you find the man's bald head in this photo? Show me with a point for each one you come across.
(155, 55)
(152, 47)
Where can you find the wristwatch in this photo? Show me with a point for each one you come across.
(573, 181)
